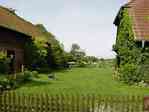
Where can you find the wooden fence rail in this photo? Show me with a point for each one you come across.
(14, 102)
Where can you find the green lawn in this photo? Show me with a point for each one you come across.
(82, 80)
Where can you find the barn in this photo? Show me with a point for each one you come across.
(138, 11)
(136, 28)
(14, 33)
(132, 42)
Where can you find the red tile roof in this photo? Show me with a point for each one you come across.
(139, 11)
(10, 20)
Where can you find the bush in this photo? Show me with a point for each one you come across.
(35, 74)
(4, 63)
(24, 77)
(27, 76)
(4, 81)
(129, 74)
(12, 82)
(144, 72)
(81, 63)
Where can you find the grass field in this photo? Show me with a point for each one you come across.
(83, 81)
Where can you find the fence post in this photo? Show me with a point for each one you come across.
(146, 103)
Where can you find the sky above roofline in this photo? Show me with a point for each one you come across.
(86, 22)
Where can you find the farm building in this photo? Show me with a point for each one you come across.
(138, 10)
(132, 39)
(14, 33)
(137, 27)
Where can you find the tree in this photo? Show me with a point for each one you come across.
(76, 52)
(36, 53)
(92, 59)
(78, 55)
(75, 47)
(56, 54)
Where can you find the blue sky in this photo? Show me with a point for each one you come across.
(86, 22)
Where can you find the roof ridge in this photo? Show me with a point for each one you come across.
(131, 1)
(13, 14)
(11, 11)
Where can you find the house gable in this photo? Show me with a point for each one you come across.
(139, 12)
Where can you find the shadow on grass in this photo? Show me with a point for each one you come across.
(61, 70)
(37, 83)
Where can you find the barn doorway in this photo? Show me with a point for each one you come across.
(11, 55)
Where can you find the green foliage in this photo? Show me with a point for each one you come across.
(7, 82)
(102, 63)
(30, 53)
(35, 74)
(129, 74)
(15, 81)
(144, 72)
(4, 63)
(56, 56)
(75, 47)
(91, 59)
(44, 52)
(81, 63)
(128, 54)
(36, 53)
(78, 55)
(125, 44)
(3, 81)
(26, 76)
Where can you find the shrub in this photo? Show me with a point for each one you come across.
(144, 72)
(4, 63)
(24, 77)
(11, 82)
(27, 76)
(129, 74)
(4, 81)
(81, 63)
(35, 74)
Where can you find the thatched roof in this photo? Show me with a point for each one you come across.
(139, 11)
(9, 19)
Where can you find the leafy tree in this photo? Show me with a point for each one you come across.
(75, 47)
(56, 54)
(79, 56)
(76, 51)
(36, 53)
